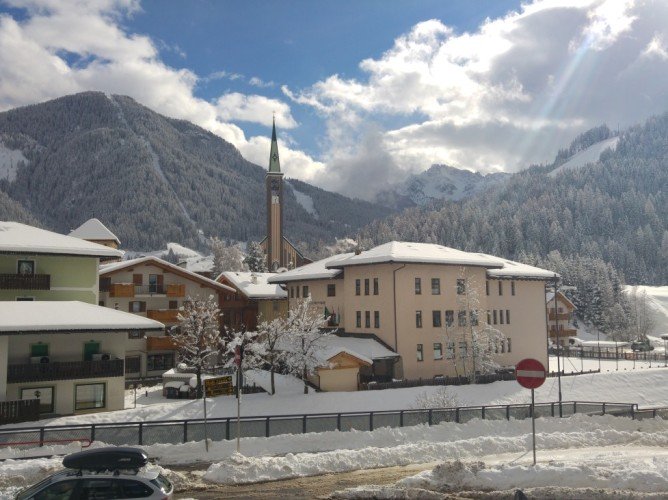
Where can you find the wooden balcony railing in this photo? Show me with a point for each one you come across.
(64, 370)
(565, 332)
(121, 290)
(25, 281)
(174, 290)
(559, 316)
(162, 343)
(163, 315)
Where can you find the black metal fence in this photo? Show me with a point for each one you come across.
(13, 412)
(592, 352)
(182, 431)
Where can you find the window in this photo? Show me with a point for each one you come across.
(450, 352)
(418, 319)
(297, 291)
(501, 318)
(461, 318)
(132, 364)
(100, 303)
(89, 396)
(507, 316)
(512, 288)
(331, 290)
(173, 304)
(134, 489)
(474, 318)
(292, 292)
(90, 348)
(500, 288)
(366, 286)
(438, 350)
(25, 267)
(367, 319)
(135, 334)
(305, 292)
(489, 317)
(162, 362)
(155, 283)
(449, 318)
(44, 394)
(376, 319)
(358, 319)
(420, 353)
(487, 287)
(375, 286)
(436, 286)
(358, 284)
(494, 316)
(137, 306)
(436, 318)
(503, 346)
(463, 350)
(510, 345)
(25, 299)
(418, 286)
(461, 286)
(39, 349)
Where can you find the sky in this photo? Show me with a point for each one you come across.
(364, 92)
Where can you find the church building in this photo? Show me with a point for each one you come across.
(279, 251)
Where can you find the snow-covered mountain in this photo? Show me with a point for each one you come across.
(440, 182)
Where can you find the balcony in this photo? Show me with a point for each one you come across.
(64, 370)
(161, 344)
(559, 316)
(563, 332)
(121, 290)
(150, 290)
(163, 315)
(25, 281)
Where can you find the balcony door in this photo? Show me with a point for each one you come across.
(155, 283)
(90, 348)
(44, 394)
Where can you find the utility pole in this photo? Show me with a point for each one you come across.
(556, 327)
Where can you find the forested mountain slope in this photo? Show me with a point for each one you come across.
(615, 209)
(151, 179)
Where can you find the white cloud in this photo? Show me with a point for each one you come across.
(67, 47)
(505, 95)
(258, 82)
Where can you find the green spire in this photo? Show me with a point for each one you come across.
(274, 162)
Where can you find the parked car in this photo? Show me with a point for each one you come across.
(111, 473)
(641, 345)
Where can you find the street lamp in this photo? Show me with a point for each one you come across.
(664, 337)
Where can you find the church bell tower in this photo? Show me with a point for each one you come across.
(274, 186)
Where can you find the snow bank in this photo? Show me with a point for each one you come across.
(478, 438)
(17, 474)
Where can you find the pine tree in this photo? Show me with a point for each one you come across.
(255, 260)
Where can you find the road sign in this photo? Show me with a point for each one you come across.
(530, 373)
(218, 386)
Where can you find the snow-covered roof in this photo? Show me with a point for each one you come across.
(422, 253)
(366, 349)
(107, 269)
(313, 271)
(93, 229)
(549, 297)
(254, 285)
(512, 269)
(68, 316)
(21, 238)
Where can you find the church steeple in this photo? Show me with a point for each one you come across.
(274, 161)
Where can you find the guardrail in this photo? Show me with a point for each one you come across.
(182, 431)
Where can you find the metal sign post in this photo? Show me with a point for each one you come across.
(531, 375)
(206, 434)
(238, 358)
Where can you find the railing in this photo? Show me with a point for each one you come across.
(64, 370)
(381, 383)
(181, 431)
(163, 315)
(25, 281)
(150, 290)
(121, 290)
(13, 412)
(591, 352)
(559, 316)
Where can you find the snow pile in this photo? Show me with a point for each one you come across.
(421, 444)
(18, 474)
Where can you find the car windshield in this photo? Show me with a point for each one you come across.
(163, 483)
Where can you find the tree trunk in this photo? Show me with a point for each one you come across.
(273, 386)
(305, 384)
(198, 391)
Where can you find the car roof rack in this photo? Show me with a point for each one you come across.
(113, 458)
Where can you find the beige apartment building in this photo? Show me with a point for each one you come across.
(424, 301)
(155, 289)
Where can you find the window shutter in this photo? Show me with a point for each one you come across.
(138, 279)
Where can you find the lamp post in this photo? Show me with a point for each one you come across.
(664, 337)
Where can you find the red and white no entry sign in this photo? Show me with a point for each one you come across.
(530, 373)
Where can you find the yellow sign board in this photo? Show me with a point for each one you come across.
(219, 386)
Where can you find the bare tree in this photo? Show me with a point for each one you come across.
(226, 257)
(303, 340)
(198, 336)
